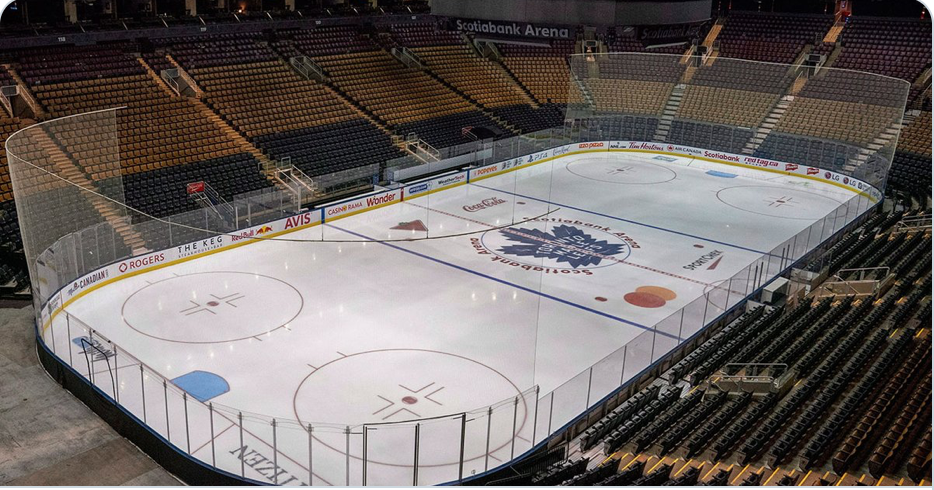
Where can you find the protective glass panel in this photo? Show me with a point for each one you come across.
(524, 261)
(390, 454)
(440, 446)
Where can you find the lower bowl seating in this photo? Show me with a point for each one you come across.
(446, 131)
(162, 192)
(528, 119)
(326, 149)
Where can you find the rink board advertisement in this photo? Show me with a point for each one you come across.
(425, 187)
(188, 251)
(752, 162)
(361, 204)
(488, 171)
(155, 260)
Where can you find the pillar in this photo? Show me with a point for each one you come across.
(191, 7)
(71, 11)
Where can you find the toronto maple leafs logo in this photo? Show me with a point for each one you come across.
(565, 245)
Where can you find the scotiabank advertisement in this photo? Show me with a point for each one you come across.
(749, 161)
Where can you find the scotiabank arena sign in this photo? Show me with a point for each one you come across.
(511, 29)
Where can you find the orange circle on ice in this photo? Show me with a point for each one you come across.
(664, 293)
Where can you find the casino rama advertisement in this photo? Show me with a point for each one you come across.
(347, 208)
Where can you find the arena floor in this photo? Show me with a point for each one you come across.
(350, 331)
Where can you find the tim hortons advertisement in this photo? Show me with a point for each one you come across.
(792, 168)
(355, 206)
(747, 161)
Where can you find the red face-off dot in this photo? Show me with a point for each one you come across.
(213, 303)
(409, 400)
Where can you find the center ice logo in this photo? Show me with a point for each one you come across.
(565, 245)
(556, 246)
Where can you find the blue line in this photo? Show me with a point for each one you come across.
(528, 290)
(625, 220)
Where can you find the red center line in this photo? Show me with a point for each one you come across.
(580, 250)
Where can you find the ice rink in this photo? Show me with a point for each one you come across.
(524, 279)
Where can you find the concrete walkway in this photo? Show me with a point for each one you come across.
(47, 436)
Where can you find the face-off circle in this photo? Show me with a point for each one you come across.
(392, 388)
(621, 169)
(777, 202)
(728, 290)
(212, 307)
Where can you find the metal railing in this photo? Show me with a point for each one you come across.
(308, 68)
(171, 76)
(401, 453)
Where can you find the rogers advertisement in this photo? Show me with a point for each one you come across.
(154, 259)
